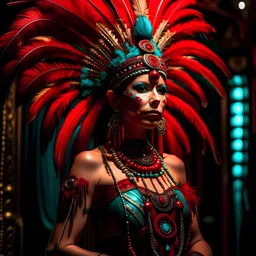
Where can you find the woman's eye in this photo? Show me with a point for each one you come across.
(141, 88)
(162, 90)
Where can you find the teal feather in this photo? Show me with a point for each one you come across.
(122, 57)
(157, 52)
(143, 28)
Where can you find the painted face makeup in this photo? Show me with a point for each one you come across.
(143, 102)
(132, 95)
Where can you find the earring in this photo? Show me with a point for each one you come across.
(115, 122)
(161, 127)
(115, 127)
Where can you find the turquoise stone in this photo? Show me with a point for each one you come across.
(166, 227)
(167, 247)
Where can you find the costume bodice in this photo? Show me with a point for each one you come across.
(109, 218)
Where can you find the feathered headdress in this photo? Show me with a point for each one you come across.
(65, 55)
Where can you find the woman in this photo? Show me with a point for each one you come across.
(136, 58)
(118, 196)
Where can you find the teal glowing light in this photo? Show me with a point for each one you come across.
(237, 80)
(237, 157)
(237, 93)
(246, 107)
(246, 144)
(246, 133)
(245, 169)
(236, 108)
(246, 120)
(237, 145)
(237, 171)
(237, 120)
(237, 133)
(246, 157)
(246, 92)
(237, 185)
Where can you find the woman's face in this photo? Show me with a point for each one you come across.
(142, 103)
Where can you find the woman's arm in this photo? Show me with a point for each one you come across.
(73, 214)
(198, 244)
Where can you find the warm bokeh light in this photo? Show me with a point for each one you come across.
(241, 5)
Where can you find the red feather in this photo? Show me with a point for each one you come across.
(189, 193)
(193, 48)
(183, 77)
(180, 15)
(190, 28)
(79, 14)
(15, 2)
(55, 111)
(43, 74)
(196, 67)
(67, 129)
(32, 23)
(43, 100)
(166, 8)
(31, 54)
(125, 12)
(87, 126)
(174, 125)
(178, 91)
(195, 120)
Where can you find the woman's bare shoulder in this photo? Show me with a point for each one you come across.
(88, 164)
(91, 158)
(176, 166)
(173, 161)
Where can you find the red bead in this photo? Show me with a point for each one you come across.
(178, 205)
(154, 76)
(161, 200)
(148, 206)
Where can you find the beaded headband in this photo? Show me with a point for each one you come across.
(134, 67)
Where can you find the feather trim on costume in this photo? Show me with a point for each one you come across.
(189, 193)
(72, 196)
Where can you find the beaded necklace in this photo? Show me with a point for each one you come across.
(159, 209)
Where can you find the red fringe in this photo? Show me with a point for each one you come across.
(189, 193)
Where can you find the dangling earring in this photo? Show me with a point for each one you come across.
(115, 128)
(161, 127)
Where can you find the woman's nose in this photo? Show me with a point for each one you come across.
(154, 102)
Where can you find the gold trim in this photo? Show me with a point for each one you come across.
(11, 225)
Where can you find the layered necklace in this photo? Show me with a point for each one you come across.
(162, 210)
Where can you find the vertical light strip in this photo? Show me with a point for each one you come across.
(239, 144)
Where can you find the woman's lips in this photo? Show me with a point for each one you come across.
(153, 115)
